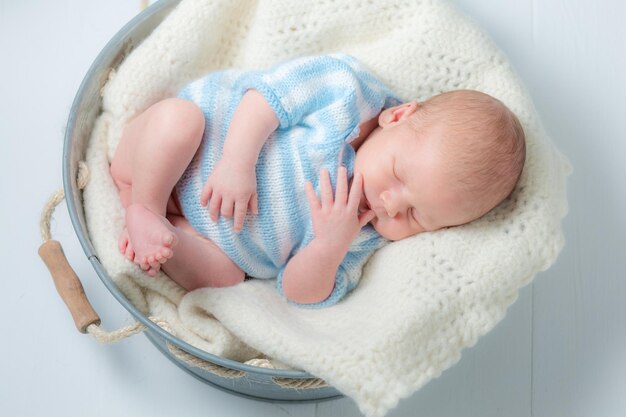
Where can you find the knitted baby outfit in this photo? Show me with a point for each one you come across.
(320, 102)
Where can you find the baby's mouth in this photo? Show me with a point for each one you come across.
(365, 205)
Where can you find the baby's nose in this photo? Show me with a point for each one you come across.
(390, 207)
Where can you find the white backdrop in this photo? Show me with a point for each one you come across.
(560, 351)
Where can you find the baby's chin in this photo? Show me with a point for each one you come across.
(392, 235)
(384, 233)
(381, 231)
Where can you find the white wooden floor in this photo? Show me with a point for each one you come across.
(561, 350)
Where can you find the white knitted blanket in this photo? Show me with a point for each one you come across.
(421, 300)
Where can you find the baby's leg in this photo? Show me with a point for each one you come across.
(154, 151)
(198, 262)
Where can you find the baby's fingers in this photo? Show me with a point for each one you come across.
(227, 206)
(354, 199)
(240, 213)
(312, 197)
(366, 217)
(253, 204)
(326, 189)
(205, 195)
(341, 194)
(214, 207)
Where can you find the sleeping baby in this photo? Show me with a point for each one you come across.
(301, 171)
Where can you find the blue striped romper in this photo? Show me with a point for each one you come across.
(320, 102)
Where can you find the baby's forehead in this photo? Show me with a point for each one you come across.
(443, 165)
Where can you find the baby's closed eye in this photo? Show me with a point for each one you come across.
(413, 214)
(393, 169)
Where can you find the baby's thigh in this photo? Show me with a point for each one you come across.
(122, 162)
(170, 118)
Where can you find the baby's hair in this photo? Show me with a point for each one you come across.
(485, 140)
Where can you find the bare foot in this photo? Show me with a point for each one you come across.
(125, 247)
(152, 237)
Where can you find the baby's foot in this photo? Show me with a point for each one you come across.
(124, 245)
(152, 237)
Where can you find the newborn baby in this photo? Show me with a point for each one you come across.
(300, 172)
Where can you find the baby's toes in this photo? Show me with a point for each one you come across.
(143, 263)
(129, 253)
(122, 242)
(169, 239)
(166, 253)
(162, 259)
(155, 265)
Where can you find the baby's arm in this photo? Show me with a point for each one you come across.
(232, 184)
(252, 123)
(309, 276)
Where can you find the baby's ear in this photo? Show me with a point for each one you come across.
(397, 113)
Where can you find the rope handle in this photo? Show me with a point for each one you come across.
(66, 281)
(68, 285)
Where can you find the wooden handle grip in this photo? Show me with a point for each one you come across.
(68, 285)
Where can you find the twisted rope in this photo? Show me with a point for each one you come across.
(105, 337)
(196, 362)
(300, 383)
(55, 200)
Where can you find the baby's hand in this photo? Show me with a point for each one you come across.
(231, 185)
(337, 223)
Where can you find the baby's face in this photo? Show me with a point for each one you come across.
(405, 183)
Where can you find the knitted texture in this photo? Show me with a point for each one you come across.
(420, 301)
(321, 101)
